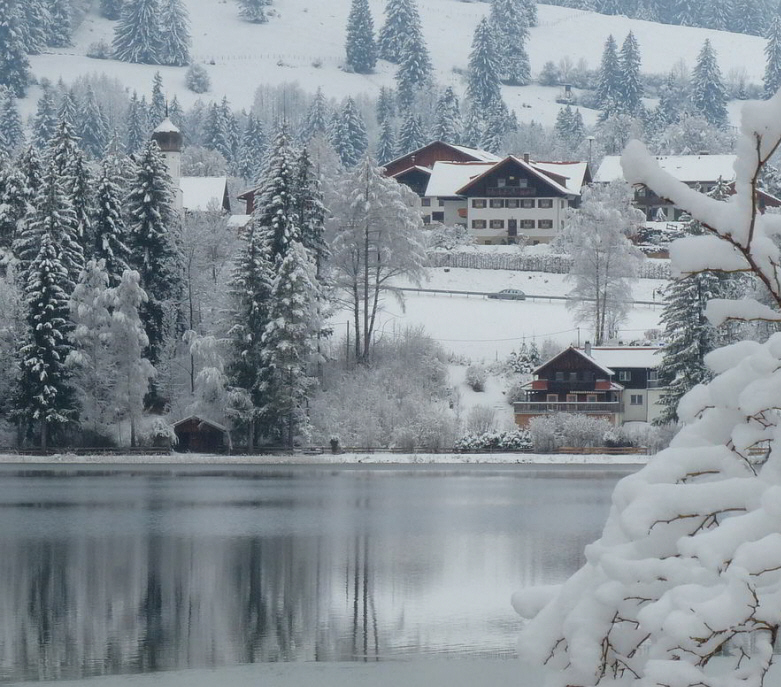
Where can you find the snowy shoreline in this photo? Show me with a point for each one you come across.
(328, 459)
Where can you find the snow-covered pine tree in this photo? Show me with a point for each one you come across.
(137, 36)
(414, 72)
(45, 120)
(472, 133)
(386, 143)
(79, 183)
(34, 20)
(15, 205)
(495, 128)
(68, 110)
(401, 19)
(309, 206)
(231, 127)
(93, 129)
(717, 14)
(386, 104)
(483, 73)
(253, 11)
(668, 110)
(686, 12)
(630, 86)
(31, 167)
(288, 344)
(709, 97)
(360, 46)
(608, 91)
(748, 17)
(216, 134)
(508, 23)
(530, 8)
(45, 397)
(772, 79)
(14, 66)
(111, 9)
(411, 134)
(447, 125)
(152, 240)
(136, 125)
(157, 105)
(175, 33)
(348, 134)
(317, 117)
(252, 151)
(108, 226)
(11, 130)
(60, 24)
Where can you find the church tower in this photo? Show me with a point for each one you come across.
(169, 139)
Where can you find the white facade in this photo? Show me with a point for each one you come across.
(538, 219)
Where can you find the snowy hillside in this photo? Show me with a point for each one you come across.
(304, 43)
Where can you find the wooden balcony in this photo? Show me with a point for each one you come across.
(541, 408)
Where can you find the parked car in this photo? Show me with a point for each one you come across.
(509, 295)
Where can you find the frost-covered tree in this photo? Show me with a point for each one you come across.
(709, 97)
(14, 65)
(197, 79)
(386, 143)
(630, 86)
(11, 130)
(111, 9)
(45, 120)
(137, 35)
(108, 226)
(483, 74)
(60, 24)
(604, 261)
(253, 11)
(310, 210)
(411, 134)
(609, 85)
(386, 104)
(15, 204)
(772, 79)
(157, 106)
(93, 129)
(374, 233)
(252, 150)
(137, 125)
(717, 14)
(508, 21)
(401, 20)
(360, 46)
(414, 71)
(175, 33)
(447, 126)
(34, 19)
(682, 587)
(348, 134)
(317, 117)
(152, 239)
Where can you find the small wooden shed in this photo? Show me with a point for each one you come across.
(199, 435)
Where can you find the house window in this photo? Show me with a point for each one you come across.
(552, 398)
(478, 224)
(438, 216)
(573, 376)
(441, 203)
(425, 202)
(572, 398)
(497, 224)
(501, 183)
(559, 376)
(545, 203)
(636, 400)
(426, 219)
(545, 224)
(624, 376)
(497, 203)
(511, 203)
(653, 376)
(527, 203)
(523, 183)
(478, 202)
(527, 224)
(591, 398)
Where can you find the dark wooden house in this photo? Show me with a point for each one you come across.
(437, 151)
(198, 435)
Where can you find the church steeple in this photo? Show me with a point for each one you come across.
(170, 141)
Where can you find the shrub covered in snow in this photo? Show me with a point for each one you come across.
(551, 432)
(475, 377)
(197, 79)
(447, 238)
(481, 419)
(512, 440)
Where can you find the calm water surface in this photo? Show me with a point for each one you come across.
(112, 571)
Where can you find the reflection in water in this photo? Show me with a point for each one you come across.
(120, 573)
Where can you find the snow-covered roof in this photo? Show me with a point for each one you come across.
(199, 420)
(686, 168)
(167, 126)
(574, 173)
(580, 352)
(199, 193)
(627, 356)
(239, 221)
(530, 168)
(447, 177)
(417, 168)
(483, 155)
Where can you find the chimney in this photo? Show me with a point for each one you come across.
(588, 348)
(526, 157)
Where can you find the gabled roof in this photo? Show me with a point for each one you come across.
(646, 357)
(198, 193)
(579, 352)
(686, 168)
(201, 420)
(574, 174)
(511, 159)
(447, 177)
(413, 168)
(475, 153)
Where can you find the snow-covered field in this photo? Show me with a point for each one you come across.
(304, 43)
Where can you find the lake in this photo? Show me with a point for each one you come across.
(124, 570)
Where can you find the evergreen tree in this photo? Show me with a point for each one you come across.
(252, 151)
(316, 118)
(411, 135)
(609, 86)
(717, 14)
(772, 80)
(508, 24)
(414, 71)
(137, 35)
(111, 9)
(311, 211)
(447, 126)
(495, 128)
(176, 40)
(360, 47)
(748, 17)
(68, 111)
(157, 107)
(60, 24)
(288, 344)
(80, 185)
(11, 130)
(386, 144)
(152, 240)
(136, 125)
(215, 132)
(630, 85)
(483, 78)
(472, 134)
(253, 11)
(108, 226)
(31, 167)
(530, 8)
(15, 205)
(14, 66)
(386, 104)
(709, 96)
(686, 12)
(93, 130)
(348, 135)
(45, 121)
(401, 20)
(34, 19)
